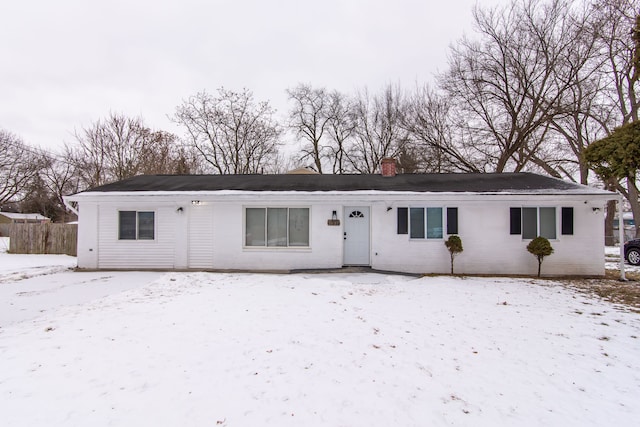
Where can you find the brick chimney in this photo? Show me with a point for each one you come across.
(388, 167)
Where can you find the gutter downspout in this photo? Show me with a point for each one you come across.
(623, 277)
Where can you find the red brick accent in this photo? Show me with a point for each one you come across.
(388, 167)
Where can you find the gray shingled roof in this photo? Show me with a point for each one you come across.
(454, 182)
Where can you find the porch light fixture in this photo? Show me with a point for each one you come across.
(334, 215)
(196, 202)
(595, 209)
(180, 209)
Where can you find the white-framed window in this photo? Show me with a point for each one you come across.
(532, 222)
(276, 227)
(426, 223)
(136, 225)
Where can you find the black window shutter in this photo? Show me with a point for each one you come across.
(403, 220)
(516, 220)
(452, 220)
(567, 221)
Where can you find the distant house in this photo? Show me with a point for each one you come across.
(310, 221)
(22, 218)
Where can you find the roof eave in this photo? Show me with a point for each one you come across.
(599, 194)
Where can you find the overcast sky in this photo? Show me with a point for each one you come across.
(68, 63)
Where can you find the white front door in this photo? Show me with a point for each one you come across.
(356, 235)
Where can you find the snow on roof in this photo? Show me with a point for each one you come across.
(515, 183)
(14, 215)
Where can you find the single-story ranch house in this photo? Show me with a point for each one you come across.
(304, 221)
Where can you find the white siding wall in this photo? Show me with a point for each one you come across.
(157, 253)
(181, 247)
(201, 238)
(88, 243)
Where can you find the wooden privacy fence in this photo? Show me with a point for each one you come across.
(43, 239)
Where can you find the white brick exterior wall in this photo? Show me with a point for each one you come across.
(211, 235)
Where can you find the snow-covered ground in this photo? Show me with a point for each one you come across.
(612, 260)
(20, 267)
(206, 349)
(31, 285)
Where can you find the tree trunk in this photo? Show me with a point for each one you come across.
(316, 158)
(609, 238)
(539, 265)
(584, 171)
(635, 205)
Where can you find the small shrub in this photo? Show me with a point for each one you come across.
(454, 245)
(540, 248)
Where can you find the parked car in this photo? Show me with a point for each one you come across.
(632, 251)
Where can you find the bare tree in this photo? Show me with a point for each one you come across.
(165, 154)
(39, 200)
(436, 136)
(582, 115)
(309, 117)
(19, 165)
(232, 133)
(59, 178)
(126, 140)
(511, 82)
(583, 119)
(281, 164)
(618, 35)
(120, 147)
(617, 25)
(89, 156)
(378, 131)
(341, 127)
(110, 150)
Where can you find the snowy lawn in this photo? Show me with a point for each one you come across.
(17, 267)
(204, 349)
(31, 285)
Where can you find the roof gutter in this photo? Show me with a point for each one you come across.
(605, 195)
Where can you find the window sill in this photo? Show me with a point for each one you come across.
(276, 248)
